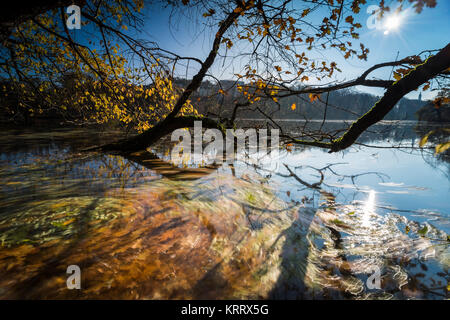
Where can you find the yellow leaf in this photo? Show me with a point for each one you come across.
(397, 76)
(424, 139)
(442, 147)
(293, 106)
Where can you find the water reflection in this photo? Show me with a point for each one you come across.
(312, 225)
(369, 209)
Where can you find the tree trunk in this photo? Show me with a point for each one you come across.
(144, 140)
(421, 74)
(424, 72)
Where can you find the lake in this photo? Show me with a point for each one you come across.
(370, 222)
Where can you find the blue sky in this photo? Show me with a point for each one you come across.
(415, 33)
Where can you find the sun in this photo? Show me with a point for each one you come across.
(392, 23)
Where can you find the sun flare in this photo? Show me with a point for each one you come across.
(392, 23)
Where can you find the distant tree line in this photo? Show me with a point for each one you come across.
(345, 104)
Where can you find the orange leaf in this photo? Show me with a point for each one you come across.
(289, 147)
(313, 97)
(293, 106)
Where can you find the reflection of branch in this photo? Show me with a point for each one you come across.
(391, 147)
(353, 177)
(167, 169)
(315, 185)
(318, 185)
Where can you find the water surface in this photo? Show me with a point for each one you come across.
(141, 229)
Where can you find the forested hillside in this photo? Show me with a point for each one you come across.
(343, 104)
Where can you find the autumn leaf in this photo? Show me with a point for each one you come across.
(305, 12)
(313, 97)
(442, 147)
(438, 102)
(293, 106)
(228, 41)
(209, 13)
(289, 147)
(424, 139)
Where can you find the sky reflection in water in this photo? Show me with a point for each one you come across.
(378, 200)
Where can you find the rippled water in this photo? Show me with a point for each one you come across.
(139, 228)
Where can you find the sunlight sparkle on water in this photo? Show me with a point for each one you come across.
(369, 208)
